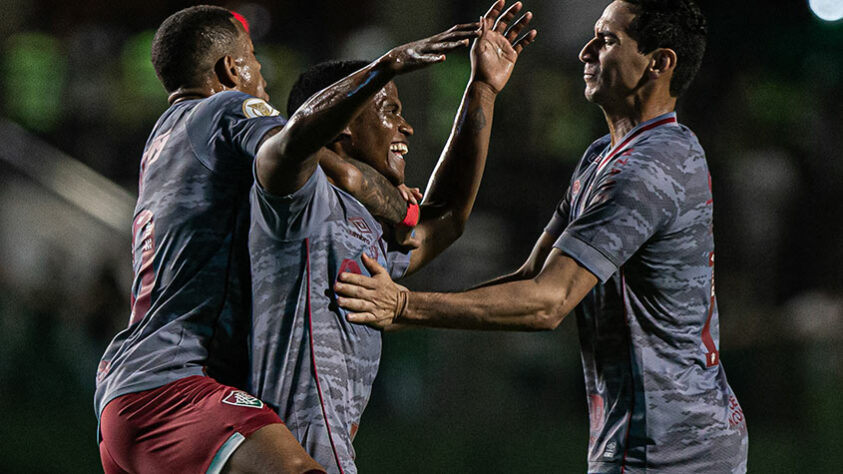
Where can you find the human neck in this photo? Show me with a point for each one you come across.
(623, 118)
(197, 92)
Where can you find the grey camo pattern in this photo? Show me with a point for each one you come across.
(644, 227)
(318, 388)
(197, 191)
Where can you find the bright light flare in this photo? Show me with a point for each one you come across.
(828, 10)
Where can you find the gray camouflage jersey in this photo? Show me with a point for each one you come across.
(639, 217)
(310, 364)
(190, 294)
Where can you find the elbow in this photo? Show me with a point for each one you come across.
(552, 311)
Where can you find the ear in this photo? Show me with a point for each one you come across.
(226, 72)
(662, 62)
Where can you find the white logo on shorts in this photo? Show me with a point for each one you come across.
(240, 398)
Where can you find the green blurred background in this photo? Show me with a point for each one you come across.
(79, 97)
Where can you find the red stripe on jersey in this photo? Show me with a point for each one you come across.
(712, 356)
(633, 136)
(631, 378)
(313, 362)
(143, 232)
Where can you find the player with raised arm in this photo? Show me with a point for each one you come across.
(166, 396)
(308, 362)
(630, 249)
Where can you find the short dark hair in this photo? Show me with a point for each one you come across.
(189, 42)
(318, 77)
(676, 24)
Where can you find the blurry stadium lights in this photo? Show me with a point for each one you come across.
(828, 10)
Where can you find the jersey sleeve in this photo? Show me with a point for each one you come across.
(296, 215)
(226, 130)
(634, 199)
(560, 216)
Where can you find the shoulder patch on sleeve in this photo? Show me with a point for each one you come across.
(254, 108)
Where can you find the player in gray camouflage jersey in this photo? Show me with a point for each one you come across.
(630, 249)
(164, 392)
(308, 362)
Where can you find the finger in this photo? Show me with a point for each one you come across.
(373, 266)
(524, 41)
(353, 291)
(446, 47)
(495, 10)
(359, 280)
(361, 318)
(450, 35)
(518, 26)
(357, 305)
(404, 194)
(432, 58)
(506, 17)
(473, 26)
(417, 193)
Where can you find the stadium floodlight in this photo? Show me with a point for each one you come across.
(828, 10)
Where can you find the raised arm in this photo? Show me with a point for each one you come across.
(286, 160)
(533, 304)
(455, 180)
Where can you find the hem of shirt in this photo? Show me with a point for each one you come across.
(586, 255)
(163, 379)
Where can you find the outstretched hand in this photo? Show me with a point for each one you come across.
(496, 50)
(418, 54)
(375, 301)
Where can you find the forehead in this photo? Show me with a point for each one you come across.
(389, 94)
(616, 17)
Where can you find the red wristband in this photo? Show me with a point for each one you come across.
(412, 217)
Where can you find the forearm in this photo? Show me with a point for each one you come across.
(456, 178)
(363, 182)
(517, 305)
(455, 181)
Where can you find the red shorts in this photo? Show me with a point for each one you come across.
(192, 425)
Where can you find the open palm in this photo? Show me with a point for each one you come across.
(496, 50)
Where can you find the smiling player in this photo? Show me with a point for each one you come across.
(309, 363)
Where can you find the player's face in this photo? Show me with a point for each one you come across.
(378, 135)
(614, 69)
(248, 67)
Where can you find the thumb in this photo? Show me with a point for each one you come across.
(372, 265)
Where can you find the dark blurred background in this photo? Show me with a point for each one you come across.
(79, 97)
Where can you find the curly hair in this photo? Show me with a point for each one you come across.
(676, 24)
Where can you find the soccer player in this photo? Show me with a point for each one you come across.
(308, 362)
(164, 396)
(630, 249)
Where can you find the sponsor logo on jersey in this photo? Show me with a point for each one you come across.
(254, 108)
(360, 224)
(240, 398)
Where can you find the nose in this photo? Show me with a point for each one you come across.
(587, 53)
(405, 128)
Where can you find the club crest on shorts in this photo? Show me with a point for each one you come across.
(254, 108)
(240, 398)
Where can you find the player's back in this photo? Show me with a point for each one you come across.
(190, 294)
